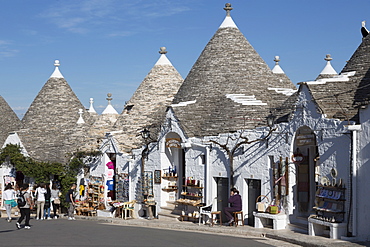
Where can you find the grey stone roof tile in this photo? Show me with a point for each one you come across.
(9, 121)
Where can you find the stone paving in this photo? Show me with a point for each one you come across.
(240, 231)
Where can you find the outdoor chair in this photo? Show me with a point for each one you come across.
(210, 211)
(129, 207)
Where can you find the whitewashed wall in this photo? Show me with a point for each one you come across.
(363, 172)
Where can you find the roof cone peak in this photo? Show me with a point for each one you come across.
(91, 109)
(109, 109)
(228, 21)
(80, 119)
(277, 69)
(228, 9)
(163, 60)
(328, 69)
(56, 73)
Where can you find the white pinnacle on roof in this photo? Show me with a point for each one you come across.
(91, 109)
(328, 70)
(56, 73)
(163, 60)
(109, 109)
(277, 69)
(228, 21)
(80, 119)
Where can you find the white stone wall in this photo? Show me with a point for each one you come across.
(362, 182)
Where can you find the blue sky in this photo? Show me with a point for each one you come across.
(110, 45)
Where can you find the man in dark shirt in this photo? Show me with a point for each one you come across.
(235, 201)
(71, 199)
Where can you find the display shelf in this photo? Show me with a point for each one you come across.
(169, 177)
(192, 186)
(330, 203)
(172, 188)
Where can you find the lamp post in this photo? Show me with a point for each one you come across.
(145, 134)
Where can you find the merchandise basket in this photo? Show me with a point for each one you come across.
(262, 206)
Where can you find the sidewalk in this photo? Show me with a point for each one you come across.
(240, 231)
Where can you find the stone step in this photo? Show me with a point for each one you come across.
(298, 227)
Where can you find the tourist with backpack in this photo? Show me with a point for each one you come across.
(25, 205)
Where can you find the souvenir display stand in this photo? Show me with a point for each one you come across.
(94, 198)
(191, 199)
(330, 208)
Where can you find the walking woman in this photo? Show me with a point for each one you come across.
(40, 201)
(9, 200)
(26, 208)
(55, 199)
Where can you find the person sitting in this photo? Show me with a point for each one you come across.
(235, 201)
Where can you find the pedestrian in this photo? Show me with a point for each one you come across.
(70, 197)
(40, 201)
(55, 201)
(26, 208)
(47, 202)
(9, 200)
(235, 201)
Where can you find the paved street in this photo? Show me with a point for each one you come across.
(62, 232)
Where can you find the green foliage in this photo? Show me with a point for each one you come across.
(72, 169)
(42, 171)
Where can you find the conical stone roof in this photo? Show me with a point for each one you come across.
(229, 87)
(50, 121)
(339, 96)
(147, 106)
(8, 121)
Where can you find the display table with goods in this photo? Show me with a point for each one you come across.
(317, 227)
(279, 221)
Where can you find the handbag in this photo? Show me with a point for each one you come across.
(56, 201)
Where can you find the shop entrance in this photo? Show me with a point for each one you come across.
(175, 165)
(222, 194)
(254, 191)
(305, 154)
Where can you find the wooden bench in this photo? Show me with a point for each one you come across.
(279, 221)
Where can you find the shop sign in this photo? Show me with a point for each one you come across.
(303, 140)
(173, 142)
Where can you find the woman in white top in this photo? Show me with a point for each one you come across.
(9, 197)
(40, 201)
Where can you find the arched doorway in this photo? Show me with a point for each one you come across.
(173, 164)
(304, 157)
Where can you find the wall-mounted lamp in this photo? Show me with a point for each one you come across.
(145, 134)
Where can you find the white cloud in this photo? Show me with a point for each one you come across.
(5, 51)
(88, 16)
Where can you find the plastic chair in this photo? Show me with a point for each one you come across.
(129, 207)
(210, 211)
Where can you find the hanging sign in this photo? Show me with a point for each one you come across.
(173, 142)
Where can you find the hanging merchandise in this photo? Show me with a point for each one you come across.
(110, 184)
(110, 174)
(110, 165)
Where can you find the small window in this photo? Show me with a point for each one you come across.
(202, 159)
